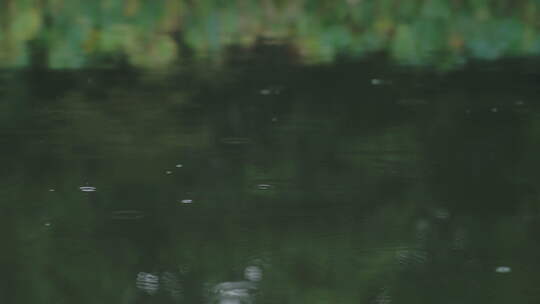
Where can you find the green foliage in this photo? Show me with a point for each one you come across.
(147, 33)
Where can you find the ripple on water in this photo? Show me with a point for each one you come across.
(235, 140)
(411, 258)
(264, 187)
(87, 189)
(127, 215)
(503, 269)
(253, 273)
(147, 282)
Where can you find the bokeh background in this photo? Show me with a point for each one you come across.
(155, 34)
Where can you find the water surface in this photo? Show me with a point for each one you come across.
(356, 182)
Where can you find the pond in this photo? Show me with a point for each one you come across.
(350, 182)
(239, 152)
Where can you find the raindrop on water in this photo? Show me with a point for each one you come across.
(264, 187)
(87, 189)
(503, 269)
(186, 201)
(168, 172)
(51, 190)
(179, 166)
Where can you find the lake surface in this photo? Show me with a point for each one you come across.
(270, 182)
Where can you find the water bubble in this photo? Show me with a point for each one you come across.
(186, 201)
(503, 269)
(87, 189)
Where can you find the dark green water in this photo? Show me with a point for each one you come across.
(271, 183)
